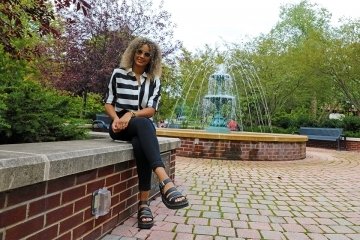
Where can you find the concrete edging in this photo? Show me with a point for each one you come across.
(29, 163)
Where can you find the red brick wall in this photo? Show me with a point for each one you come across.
(348, 145)
(61, 208)
(241, 150)
(353, 145)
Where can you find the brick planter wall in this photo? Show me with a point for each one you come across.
(237, 145)
(61, 208)
(351, 144)
(241, 150)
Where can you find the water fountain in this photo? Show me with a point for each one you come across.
(219, 84)
(221, 102)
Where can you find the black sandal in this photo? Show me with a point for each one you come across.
(143, 213)
(170, 196)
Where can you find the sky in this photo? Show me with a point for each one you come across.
(211, 22)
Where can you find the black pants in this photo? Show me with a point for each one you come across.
(142, 134)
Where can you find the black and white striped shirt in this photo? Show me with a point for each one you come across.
(125, 94)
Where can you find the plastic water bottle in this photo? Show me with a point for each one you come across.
(101, 202)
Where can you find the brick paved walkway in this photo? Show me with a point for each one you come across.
(315, 198)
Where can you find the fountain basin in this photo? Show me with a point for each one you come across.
(238, 145)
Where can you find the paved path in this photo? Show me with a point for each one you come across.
(315, 198)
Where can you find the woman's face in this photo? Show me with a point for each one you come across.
(142, 56)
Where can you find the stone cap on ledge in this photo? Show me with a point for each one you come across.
(232, 136)
(29, 163)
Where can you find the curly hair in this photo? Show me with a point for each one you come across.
(153, 70)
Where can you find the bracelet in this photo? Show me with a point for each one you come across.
(133, 114)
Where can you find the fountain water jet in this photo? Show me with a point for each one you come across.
(222, 101)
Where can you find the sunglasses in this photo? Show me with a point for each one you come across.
(141, 52)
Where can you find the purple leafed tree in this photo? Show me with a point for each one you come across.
(91, 46)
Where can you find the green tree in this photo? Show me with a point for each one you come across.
(23, 19)
(28, 111)
(194, 72)
(288, 59)
(342, 62)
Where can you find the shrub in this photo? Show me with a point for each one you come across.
(304, 120)
(276, 129)
(4, 125)
(38, 114)
(332, 123)
(77, 108)
(283, 121)
(290, 123)
(352, 123)
(294, 120)
(94, 105)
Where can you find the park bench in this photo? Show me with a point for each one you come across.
(101, 122)
(323, 134)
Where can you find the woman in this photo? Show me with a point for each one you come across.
(132, 100)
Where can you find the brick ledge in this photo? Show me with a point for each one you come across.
(29, 163)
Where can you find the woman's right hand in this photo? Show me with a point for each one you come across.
(116, 125)
(121, 123)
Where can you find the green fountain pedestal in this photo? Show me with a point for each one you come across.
(218, 124)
